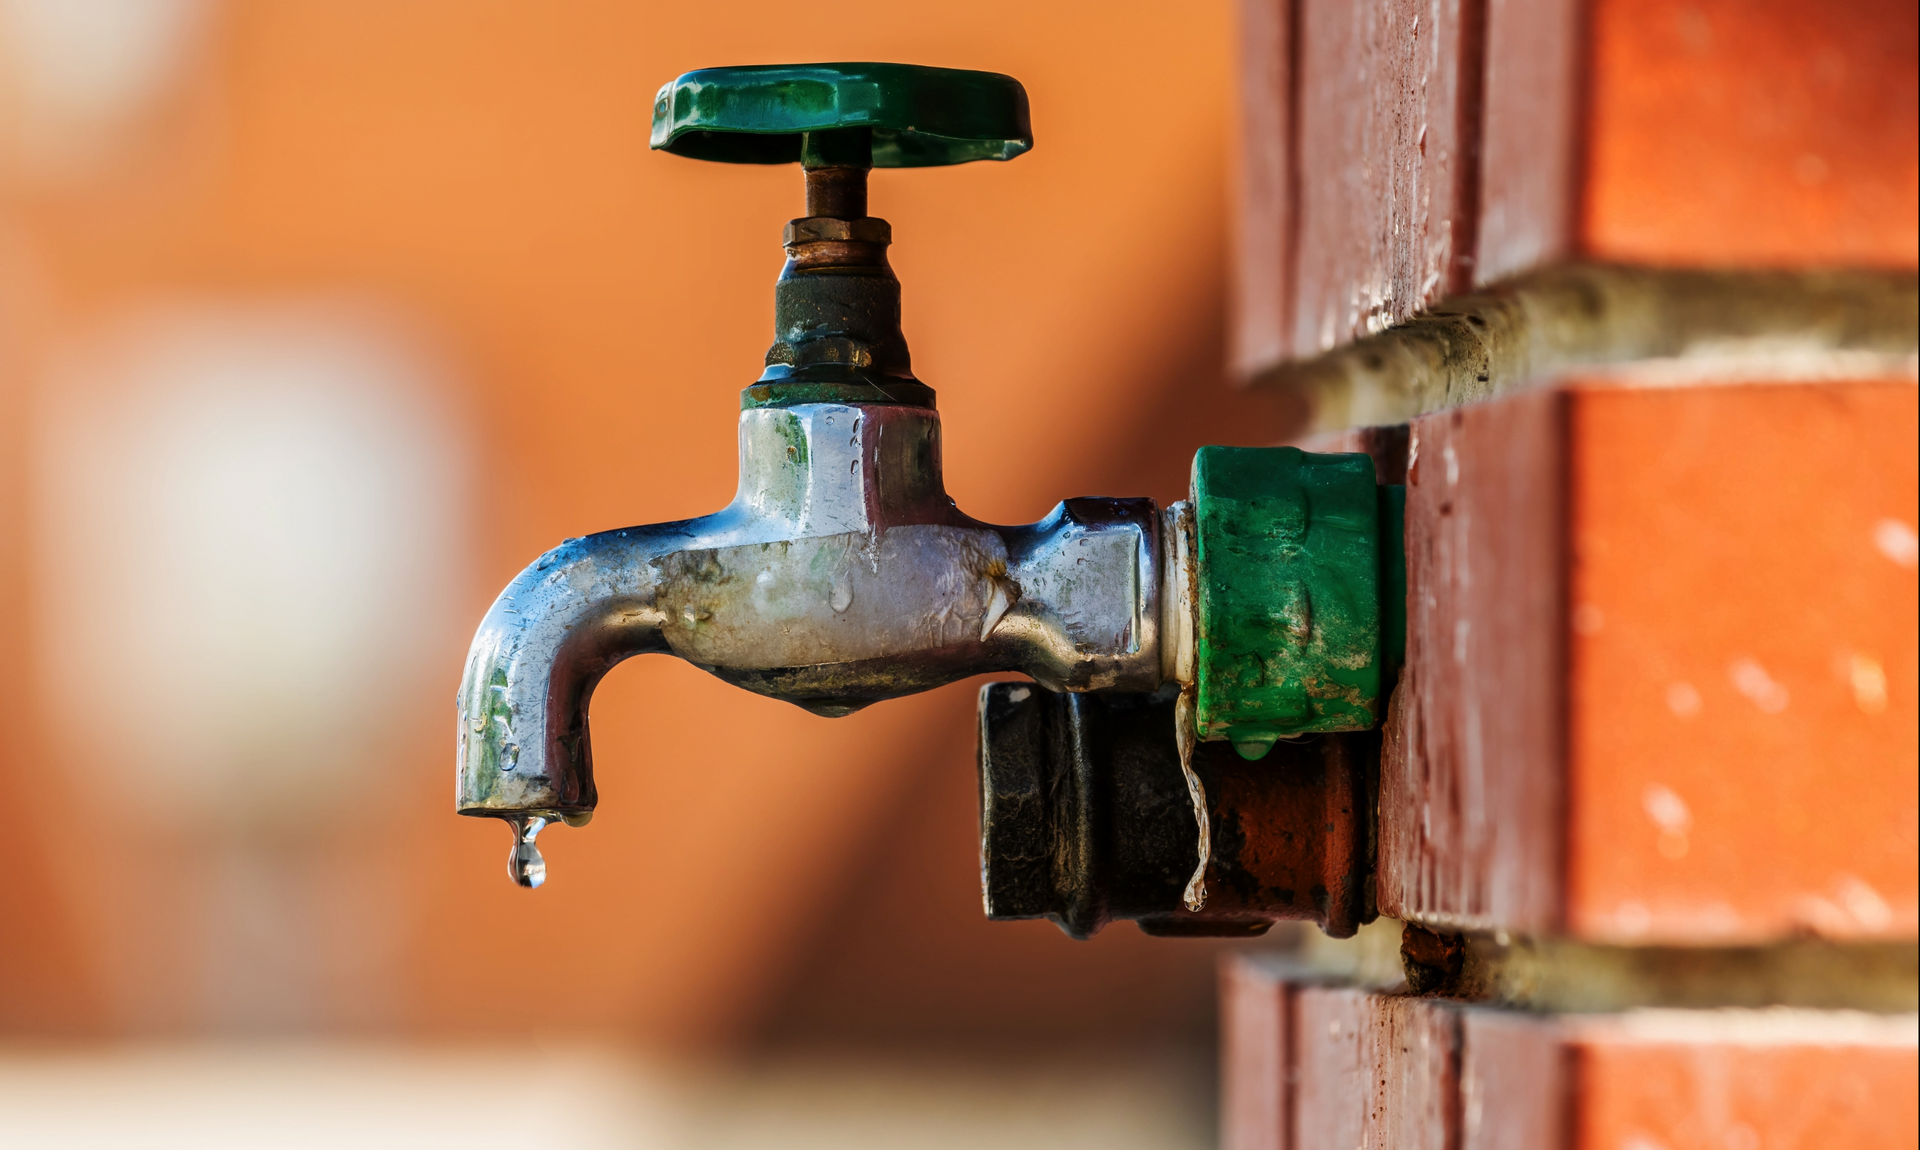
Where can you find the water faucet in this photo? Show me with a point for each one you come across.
(842, 573)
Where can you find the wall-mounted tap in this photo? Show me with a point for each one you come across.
(842, 573)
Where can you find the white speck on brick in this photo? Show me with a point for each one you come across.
(1751, 679)
(1631, 919)
(1719, 920)
(1863, 903)
(1667, 810)
(1867, 678)
(1898, 542)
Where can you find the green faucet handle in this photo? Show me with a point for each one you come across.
(918, 117)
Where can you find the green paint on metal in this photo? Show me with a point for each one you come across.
(837, 148)
(493, 725)
(795, 436)
(919, 117)
(1288, 602)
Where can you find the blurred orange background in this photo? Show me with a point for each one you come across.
(482, 317)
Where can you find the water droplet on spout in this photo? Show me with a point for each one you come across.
(525, 863)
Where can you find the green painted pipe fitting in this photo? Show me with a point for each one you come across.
(1298, 597)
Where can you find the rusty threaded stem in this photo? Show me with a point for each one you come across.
(839, 193)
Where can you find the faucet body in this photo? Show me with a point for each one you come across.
(841, 574)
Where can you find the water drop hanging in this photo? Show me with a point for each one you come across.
(525, 863)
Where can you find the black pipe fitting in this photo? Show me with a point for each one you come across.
(1085, 817)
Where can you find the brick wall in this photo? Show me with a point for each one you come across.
(1638, 277)
(1358, 1068)
(1661, 664)
(1397, 152)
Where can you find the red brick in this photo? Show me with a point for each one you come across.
(1734, 133)
(1707, 1080)
(1687, 1080)
(1663, 681)
(1263, 269)
(1255, 1025)
(1529, 142)
(1470, 781)
(1383, 162)
(1396, 152)
(1416, 1074)
(1743, 671)
(1374, 1070)
(1752, 132)
(1513, 1081)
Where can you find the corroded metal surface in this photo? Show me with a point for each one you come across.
(1085, 818)
(836, 312)
(840, 575)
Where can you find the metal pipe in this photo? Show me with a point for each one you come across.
(1085, 818)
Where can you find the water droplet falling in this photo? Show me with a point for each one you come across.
(525, 863)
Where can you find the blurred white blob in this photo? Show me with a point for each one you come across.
(1898, 542)
(1866, 676)
(1683, 699)
(75, 75)
(1751, 679)
(322, 1096)
(248, 523)
(1669, 812)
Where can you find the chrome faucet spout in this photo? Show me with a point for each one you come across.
(841, 574)
(562, 624)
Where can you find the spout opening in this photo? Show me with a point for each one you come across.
(551, 814)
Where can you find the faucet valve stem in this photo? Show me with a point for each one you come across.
(835, 162)
(837, 193)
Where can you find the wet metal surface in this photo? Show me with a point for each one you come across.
(841, 574)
